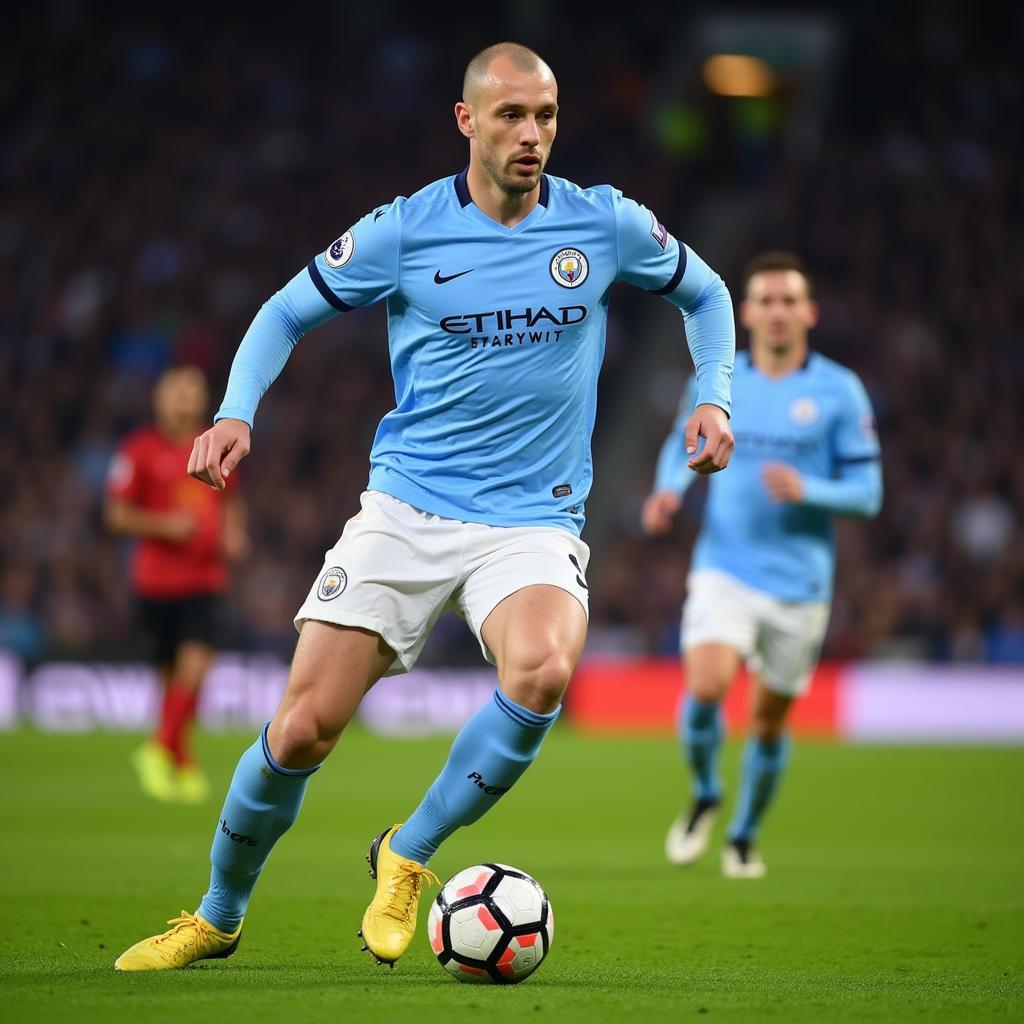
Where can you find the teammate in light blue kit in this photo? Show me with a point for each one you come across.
(761, 574)
(497, 284)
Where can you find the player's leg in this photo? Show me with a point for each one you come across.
(192, 663)
(710, 670)
(158, 623)
(536, 636)
(524, 596)
(332, 669)
(787, 650)
(718, 630)
(764, 760)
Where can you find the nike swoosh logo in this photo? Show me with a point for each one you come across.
(439, 279)
(377, 216)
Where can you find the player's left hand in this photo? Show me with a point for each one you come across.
(711, 423)
(783, 483)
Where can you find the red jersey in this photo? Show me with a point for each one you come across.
(149, 471)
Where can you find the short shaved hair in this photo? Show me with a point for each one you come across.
(778, 259)
(522, 58)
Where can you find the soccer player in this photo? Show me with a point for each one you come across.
(496, 282)
(761, 576)
(185, 535)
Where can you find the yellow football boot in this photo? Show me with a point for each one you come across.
(193, 786)
(192, 938)
(390, 920)
(157, 772)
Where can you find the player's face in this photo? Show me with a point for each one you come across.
(180, 400)
(512, 123)
(777, 310)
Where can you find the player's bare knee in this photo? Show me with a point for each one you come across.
(767, 728)
(539, 686)
(708, 689)
(299, 738)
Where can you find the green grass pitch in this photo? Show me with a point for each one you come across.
(895, 890)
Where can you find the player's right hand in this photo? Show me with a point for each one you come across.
(216, 452)
(658, 512)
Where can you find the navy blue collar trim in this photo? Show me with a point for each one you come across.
(803, 366)
(462, 189)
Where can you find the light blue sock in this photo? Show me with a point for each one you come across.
(489, 754)
(700, 730)
(262, 804)
(763, 765)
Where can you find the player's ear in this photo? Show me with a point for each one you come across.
(464, 119)
(812, 313)
(745, 314)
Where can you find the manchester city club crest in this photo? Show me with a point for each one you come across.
(804, 411)
(332, 583)
(569, 268)
(341, 251)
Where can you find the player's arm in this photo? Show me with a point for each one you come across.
(235, 531)
(122, 517)
(650, 258)
(358, 269)
(673, 477)
(123, 511)
(855, 489)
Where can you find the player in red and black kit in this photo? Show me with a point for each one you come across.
(186, 534)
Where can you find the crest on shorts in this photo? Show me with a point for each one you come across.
(332, 583)
(340, 252)
(569, 268)
(804, 411)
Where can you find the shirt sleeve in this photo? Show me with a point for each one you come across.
(124, 475)
(362, 266)
(856, 488)
(855, 437)
(650, 258)
(275, 330)
(672, 473)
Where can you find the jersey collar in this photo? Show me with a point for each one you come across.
(466, 201)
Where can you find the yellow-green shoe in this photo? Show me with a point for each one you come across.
(191, 938)
(193, 786)
(390, 920)
(157, 772)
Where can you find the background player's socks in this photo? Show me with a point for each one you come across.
(261, 805)
(700, 728)
(179, 709)
(763, 764)
(489, 754)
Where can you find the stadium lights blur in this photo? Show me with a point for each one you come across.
(732, 74)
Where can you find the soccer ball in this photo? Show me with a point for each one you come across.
(491, 924)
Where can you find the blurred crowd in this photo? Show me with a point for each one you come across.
(160, 177)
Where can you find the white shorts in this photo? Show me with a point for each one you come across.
(395, 571)
(780, 640)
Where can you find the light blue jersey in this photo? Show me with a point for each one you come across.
(496, 338)
(817, 419)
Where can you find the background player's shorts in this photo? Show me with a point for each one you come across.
(166, 623)
(780, 640)
(396, 570)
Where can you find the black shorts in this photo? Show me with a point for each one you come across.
(167, 623)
